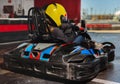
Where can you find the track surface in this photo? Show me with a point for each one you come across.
(111, 75)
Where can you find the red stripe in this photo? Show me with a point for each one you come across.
(13, 27)
(99, 25)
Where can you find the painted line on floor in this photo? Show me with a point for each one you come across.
(13, 42)
(104, 81)
(2, 72)
(104, 31)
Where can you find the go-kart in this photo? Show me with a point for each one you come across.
(78, 62)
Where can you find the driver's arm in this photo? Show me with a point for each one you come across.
(58, 34)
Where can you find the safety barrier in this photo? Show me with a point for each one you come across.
(13, 27)
(99, 25)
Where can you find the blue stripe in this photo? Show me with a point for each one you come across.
(28, 49)
(77, 48)
(46, 51)
(92, 51)
(86, 52)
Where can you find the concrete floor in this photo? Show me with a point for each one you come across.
(111, 75)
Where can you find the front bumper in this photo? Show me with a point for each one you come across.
(70, 71)
(84, 72)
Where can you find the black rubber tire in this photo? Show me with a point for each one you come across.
(111, 53)
(111, 56)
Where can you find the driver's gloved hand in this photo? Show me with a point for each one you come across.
(79, 30)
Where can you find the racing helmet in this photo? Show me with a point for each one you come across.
(56, 12)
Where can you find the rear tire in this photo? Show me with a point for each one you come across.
(111, 56)
(109, 48)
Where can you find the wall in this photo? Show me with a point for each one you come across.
(26, 4)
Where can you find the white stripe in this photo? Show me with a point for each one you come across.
(13, 19)
(105, 31)
(2, 72)
(13, 42)
(104, 81)
(115, 25)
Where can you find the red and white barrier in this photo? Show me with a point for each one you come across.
(99, 25)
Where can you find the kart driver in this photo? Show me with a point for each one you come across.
(60, 26)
